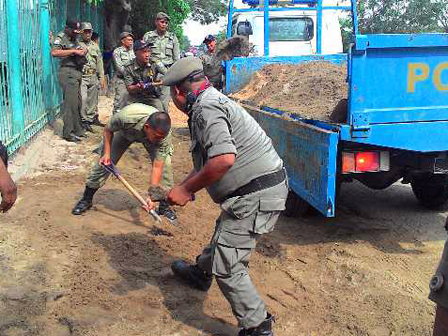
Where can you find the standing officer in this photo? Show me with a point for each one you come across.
(92, 76)
(134, 123)
(72, 59)
(139, 76)
(122, 56)
(212, 65)
(236, 162)
(165, 50)
(439, 293)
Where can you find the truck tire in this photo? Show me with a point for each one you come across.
(295, 205)
(431, 191)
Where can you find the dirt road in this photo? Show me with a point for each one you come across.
(104, 273)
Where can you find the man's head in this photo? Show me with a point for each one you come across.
(127, 39)
(185, 77)
(86, 31)
(72, 28)
(162, 22)
(157, 126)
(142, 51)
(210, 42)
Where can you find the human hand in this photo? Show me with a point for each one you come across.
(150, 205)
(79, 52)
(179, 196)
(105, 160)
(9, 195)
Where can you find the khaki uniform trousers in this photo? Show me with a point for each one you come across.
(242, 220)
(120, 144)
(70, 80)
(89, 97)
(121, 94)
(165, 98)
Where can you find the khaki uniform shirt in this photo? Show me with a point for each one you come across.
(135, 73)
(122, 57)
(63, 42)
(220, 126)
(212, 68)
(165, 49)
(130, 121)
(94, 64)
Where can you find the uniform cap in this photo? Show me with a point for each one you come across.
(140, 44)
(209, 38)
(74, 25)
(126, 34)
(182, 69)
(86, 26)
(162, 15)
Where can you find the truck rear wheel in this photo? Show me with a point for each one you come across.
(295, 205)
(431, 191)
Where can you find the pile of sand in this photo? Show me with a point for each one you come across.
(311, 90)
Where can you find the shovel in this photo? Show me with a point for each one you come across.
(111, 169)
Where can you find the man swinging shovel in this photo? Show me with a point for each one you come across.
(134, 123)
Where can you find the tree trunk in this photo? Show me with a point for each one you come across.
(117, 14)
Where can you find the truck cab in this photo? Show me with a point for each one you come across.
(291, 33)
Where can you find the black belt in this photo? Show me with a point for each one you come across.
(260, 183)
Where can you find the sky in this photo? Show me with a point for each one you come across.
(196, 32)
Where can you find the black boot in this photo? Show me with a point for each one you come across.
(85, 203)
(264, 329)
(192, 275)
(88, 128)
(165, 210)
(97, 122)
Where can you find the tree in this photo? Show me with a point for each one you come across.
(207, 11)
(397, 16)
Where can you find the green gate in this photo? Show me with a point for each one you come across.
(29, 89)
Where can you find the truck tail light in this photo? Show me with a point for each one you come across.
(364, 162)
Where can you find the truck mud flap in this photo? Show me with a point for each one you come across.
(310, 157)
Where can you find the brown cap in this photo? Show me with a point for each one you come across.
(162, 15)
(125, 34)
(182, 69)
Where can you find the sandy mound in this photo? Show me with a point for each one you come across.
(311, 90)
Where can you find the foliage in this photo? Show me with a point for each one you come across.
(207, 11)
(94, 2)
(397, 16)
(144, 11)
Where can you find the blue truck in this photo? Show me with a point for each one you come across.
(396, 123)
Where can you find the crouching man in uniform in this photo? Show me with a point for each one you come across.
(236, 162)
(439, 293)
(134, 123)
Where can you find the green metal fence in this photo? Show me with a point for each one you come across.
(29, 89)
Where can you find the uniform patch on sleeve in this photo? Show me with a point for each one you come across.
(57, 41)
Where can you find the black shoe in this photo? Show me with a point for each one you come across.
(82, 206)
(264, 329)
(88, 128)
(72, 138)
(97, 122)
(165, 210)
(192, 275)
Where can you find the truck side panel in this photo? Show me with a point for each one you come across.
(310, 157)
(399, 79)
